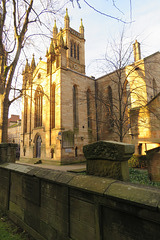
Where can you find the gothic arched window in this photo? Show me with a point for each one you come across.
(110, 109)
(128, 94)
(71, 49)
(53, 106)
(38, 107)
(78, 52)
(89, 109)
(74, 50)
(110, 97)
(25, 113)
(154, 87)
(48, 65)
(75, 106)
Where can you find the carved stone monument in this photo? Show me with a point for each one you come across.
(8, 152)
(108, 159)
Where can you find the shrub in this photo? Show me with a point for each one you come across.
(133, 162)
(137, 161)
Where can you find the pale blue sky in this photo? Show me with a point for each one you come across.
(99, 30)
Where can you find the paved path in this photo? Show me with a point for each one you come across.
(77, 167)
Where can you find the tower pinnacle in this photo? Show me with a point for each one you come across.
(55, 29)
(27, 66)
(137, 51)
(66, 19)
(81, 28)
(33, 64)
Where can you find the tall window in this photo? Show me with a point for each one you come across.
(74, 50)
(128, 95)
(48, 65)
(25, 113)
(75, 106)
(38, 107)
(78, 52)
(110, 100)
(89, 109)
(71, 50)
(154, 87)
(53, 106)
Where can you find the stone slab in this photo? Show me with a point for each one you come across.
(110, 150)
(31, 189)
(146, 196)
(91, 184)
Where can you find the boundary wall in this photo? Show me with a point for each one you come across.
(55, 205)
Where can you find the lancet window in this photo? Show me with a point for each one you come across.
(78, 52)
(71, 49)
(53, 106)
(75, 106)
(38, 107)
(154, 87)
(25, 113)
(110, 109)
(89, 109)
(74, 50)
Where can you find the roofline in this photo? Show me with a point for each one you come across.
(140, 60)
(152, 55)
(81, 74)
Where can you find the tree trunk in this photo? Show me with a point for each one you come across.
(1, 115)
(121, 131)
(4, 108)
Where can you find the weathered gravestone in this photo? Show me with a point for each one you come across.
(8, 152)
(108, 159)
(153, 162)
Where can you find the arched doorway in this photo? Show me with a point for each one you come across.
(38, 146)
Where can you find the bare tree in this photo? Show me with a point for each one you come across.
(16, 19)
(108, 15)
(124, 93)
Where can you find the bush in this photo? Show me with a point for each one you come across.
(133, 162)
(137, 161)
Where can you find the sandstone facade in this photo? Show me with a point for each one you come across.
(63, 109)
(54, 114)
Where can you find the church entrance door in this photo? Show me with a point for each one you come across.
(38, 147)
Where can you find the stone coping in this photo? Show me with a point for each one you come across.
(108, 150)
(148, 197)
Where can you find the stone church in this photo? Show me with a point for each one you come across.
(62, 110)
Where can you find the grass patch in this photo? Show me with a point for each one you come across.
(141, 176)
(10, 231)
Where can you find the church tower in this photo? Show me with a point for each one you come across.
(54, 113)
(68, 47)
(75, 43)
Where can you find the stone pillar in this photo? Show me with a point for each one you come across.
(8, 152)
(153, 162)
(108, 159)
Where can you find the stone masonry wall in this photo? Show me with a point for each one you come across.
(58, 205)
